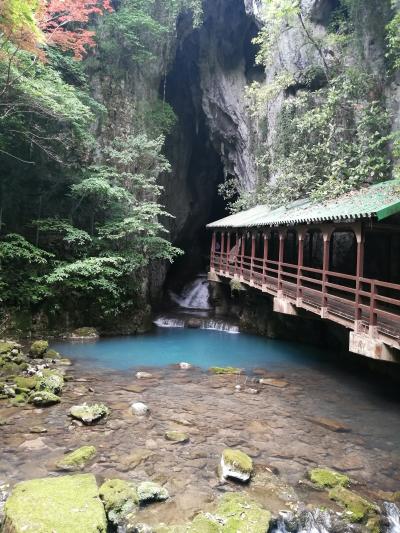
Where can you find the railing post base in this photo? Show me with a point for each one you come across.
(358, 326)
(299, 302)
(324, 312)
(279, 293)
(373, 331)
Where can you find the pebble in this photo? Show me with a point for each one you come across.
(140, 409)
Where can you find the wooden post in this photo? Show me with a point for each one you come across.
(221, 257)
(265, 259)
(237, 244)
(373, 318)
(242, 253)
(253, 253)
(282, 235)
(212, 257)
(360, 236)
(301, 233)
(326, 234)
(228, 250)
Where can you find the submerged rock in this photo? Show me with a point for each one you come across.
(325, 478)
(236, 464)
(89, 413)
(279, 383)
(140, 409)
(120, 499)
(77, 459)
(61, 504)
(143, 375)
(234, 513)
(333, 425)
(43, 398)
(38, 349)
(359, 509)
(225, 370)
(177, 436)
(151, 492)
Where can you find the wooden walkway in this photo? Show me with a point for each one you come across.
(360, 304)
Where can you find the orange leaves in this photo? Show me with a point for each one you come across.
(64, 23)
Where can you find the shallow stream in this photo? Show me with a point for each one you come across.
(315, 409)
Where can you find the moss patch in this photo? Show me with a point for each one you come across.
(238, 460)
(6, 347)
(151, 492)
(51, 382)
(325, 478)
(43, 398)
(235, 512)
(62, 504)
(77, 459)
(225, 370)
(89, 413)
(359, 509)
(26, 382)
(177, 436)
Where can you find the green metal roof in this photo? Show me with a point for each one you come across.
(377, 201)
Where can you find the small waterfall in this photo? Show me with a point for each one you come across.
(216, 325)
(165, 322)
(392, 513)
(316, 521)
(195, 295)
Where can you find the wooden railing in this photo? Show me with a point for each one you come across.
(362, 304)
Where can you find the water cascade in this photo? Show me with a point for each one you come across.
(392, 513)
(195, 295)
(201, 323)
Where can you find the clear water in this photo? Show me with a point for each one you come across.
(203, 348)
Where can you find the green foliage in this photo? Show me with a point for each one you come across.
(393, 39)
(332, 133)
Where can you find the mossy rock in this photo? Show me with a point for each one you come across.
(151, 492)
(359, 509)
(20, 399)
(6, 347)
(225, 370)
(25, 382)
(38, 348)
(120, 499)
(77, 459)
(177, 436)
(235, 512)
(9, 368)
(325, 478)
(43, 398)
(236, 464)
(51, 382)
(89, 413)
(236, 285)
(52, 354)
(61, 504)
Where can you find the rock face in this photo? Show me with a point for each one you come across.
(61, 504)
(236, 464)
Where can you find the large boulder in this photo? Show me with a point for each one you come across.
(38, 349)
(89, 413)
(84, 334)
(76, 460)
(61, 504)
(358, 508)
(236, 464)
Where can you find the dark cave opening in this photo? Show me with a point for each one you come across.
(194, 151)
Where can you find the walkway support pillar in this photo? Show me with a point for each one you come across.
(221, 257)
(301, 234)
(265, 260)
(326, 234)
(282, 237)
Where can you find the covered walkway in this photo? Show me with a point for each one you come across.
(339, 259)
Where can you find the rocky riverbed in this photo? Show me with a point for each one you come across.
(189, 418)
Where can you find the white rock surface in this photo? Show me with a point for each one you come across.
(140, 409)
